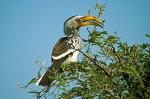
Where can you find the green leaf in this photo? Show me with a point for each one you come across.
(32, 81)
(148, 35)
(104, 32)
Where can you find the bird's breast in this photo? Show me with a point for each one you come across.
(75, 42)
(71, 57)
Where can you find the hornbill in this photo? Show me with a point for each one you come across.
(67, 48)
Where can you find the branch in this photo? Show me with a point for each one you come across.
(95, 61)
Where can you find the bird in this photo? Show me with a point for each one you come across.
(67, 48)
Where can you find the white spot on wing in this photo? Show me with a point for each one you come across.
(39, 80)
(63, 55)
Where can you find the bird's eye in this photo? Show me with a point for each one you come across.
(78, 20)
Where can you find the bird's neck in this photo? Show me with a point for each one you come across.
(73, 32)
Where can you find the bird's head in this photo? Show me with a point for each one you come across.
(73, 24)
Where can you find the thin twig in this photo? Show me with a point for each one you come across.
(95, 61)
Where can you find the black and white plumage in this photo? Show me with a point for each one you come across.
(66, 49)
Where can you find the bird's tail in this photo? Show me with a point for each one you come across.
(49, 75)
(51, 72)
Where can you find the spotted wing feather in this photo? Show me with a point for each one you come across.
(61, 48)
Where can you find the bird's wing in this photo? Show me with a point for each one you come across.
(59, 55)
(62, 48)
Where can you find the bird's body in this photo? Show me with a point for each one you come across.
(67, 48)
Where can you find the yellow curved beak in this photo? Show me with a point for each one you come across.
(91, 20)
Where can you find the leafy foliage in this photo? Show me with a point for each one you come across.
(114, 69)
